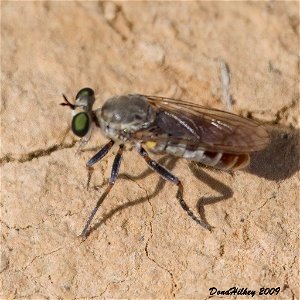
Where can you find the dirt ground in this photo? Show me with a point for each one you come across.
(143, 245)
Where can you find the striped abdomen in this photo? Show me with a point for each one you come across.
(225, 161)
(219, 160)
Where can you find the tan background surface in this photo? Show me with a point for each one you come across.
(144, 245)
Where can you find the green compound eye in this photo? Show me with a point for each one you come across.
(85, 99)
(81, 124)
(85, 92)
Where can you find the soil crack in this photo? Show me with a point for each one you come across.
(35, 154)
(41, 256)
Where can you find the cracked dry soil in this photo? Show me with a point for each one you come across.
(144, 245)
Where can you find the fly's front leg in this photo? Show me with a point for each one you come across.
(83, 141)
(167, 175)
(98, 156)
(112, 180)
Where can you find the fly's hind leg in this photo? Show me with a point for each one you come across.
(167, 175)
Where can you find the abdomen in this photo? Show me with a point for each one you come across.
(219, 160)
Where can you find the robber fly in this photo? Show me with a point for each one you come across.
(163, 125)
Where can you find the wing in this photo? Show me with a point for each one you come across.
(181, 122)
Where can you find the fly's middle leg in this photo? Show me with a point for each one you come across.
(113, 177)
(167, 175)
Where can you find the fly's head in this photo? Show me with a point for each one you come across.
(81, 111)
(122, 116)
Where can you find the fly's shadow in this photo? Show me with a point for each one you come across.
(216, 185)
(280, 160)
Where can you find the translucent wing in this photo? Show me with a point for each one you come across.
(181, 122)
